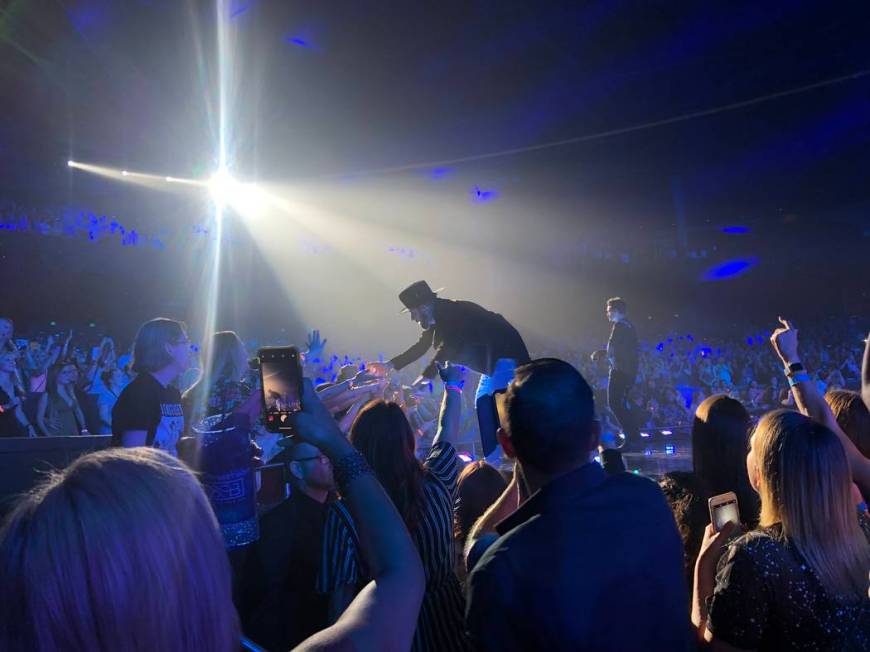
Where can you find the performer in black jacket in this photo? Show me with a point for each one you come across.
(463, 333)
(622, 352)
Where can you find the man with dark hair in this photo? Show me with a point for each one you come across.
(622, 354)
(590, 561)
(463, 333)
(277, 601)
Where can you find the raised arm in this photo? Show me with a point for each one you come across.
(383, 616)
(451, 404)
(415, 352)
(811, 403)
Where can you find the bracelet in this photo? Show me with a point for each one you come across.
(453, 388)
(798, 378)
(348, 468)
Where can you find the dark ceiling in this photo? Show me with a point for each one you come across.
(324, 87)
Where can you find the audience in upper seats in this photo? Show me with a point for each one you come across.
(591, 561)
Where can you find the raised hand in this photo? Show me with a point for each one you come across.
(314, 424)
(314, 344)
(785, 342)
(453, 374)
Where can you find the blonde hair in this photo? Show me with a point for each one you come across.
(120, 551)
(805, 486)
(225, 358)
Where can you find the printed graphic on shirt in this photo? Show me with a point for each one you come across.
(170, 428)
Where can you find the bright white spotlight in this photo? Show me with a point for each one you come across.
(70, 163)
(222, 186)
(124, 173)
(169, 179)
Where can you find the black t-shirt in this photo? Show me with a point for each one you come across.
(276, 599)
(147, 405)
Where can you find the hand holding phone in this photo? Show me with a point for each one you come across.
(281, 380)
(723, 509)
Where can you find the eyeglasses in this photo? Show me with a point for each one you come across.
(323, 458)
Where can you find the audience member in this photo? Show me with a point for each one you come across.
(799, 581)
(686, 496)
(149, 412)
(424, 494)
(478, 487)
(59, 413)
(112, 382)
(853, 416)
(13, 421)
(120, 551)
(277, 601)
(590, 561)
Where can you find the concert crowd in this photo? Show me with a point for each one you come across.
(394, 528)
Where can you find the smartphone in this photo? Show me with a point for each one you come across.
(281, 380)
(490, 416)
(723, 508)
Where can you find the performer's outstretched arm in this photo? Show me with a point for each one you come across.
(415, 352)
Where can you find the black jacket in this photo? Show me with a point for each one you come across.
(465, 333)
(622, 348)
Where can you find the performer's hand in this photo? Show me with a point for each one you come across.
(380, 369)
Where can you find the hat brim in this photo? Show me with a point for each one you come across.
(404, 310)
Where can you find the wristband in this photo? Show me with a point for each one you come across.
(453, 388)
(793, 368)
(798, 378)
(348, 468)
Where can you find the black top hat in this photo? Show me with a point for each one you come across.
(417, 294)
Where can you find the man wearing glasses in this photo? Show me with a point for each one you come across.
(277, 601)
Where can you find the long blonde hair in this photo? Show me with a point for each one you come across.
(805, 486)
(120, 551)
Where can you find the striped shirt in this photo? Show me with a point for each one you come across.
(440, 626)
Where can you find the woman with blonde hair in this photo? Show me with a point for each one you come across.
(226, 381)
(120, 551)
(800, 579)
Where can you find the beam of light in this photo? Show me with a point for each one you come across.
(155, 181)
(221, 186)
(734, 230)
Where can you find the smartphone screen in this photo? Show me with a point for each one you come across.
(724, 511)
(281, 376)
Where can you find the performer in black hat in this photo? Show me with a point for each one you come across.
(463, 333)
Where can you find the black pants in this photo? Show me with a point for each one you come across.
(619, 384)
